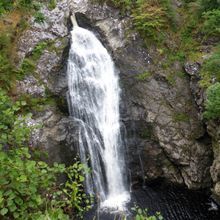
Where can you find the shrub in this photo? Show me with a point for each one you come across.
(211, 69)
(150, 19)
(212, 104)
(211, 26)
(6, 72)
(5, 5)
(13, 129)
(207, 5)
(29, 187)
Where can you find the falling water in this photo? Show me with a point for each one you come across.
(94, 103)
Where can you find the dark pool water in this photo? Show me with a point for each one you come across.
(174, 203)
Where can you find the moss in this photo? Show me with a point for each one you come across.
(171, 79)
(181, 74)
(181, 117)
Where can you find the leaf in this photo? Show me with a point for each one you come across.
(4, 211)
(137, 217)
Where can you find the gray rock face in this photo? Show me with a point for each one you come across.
(213, 127)
(51, 65)
(164, 131)
(31, 86)
(54, 132)
(199, 95)
(214, 131)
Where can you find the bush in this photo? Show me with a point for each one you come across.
(29, 187)
(212, 104)
(211, 69)
(207, 5)
(8, 5)
(6, 72)
(211, 26)
(150, 19)
(5, 5)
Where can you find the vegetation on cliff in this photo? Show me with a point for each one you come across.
(180, 39)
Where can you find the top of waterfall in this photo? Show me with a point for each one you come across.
(73, 20)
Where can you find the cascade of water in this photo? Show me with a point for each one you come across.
(94, 103)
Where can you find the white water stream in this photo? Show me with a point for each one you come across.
(94, 95)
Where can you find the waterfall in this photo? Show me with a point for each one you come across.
(94, 96)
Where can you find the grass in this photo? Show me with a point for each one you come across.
(143, 76)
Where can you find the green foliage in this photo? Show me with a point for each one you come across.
(38, 50)
(27, 67)
(142, 214)
(144, 76)
(212, 104)
(52, 4)
(39, 17)
(29, 187)
(5, 5)
(13, 131)
(150, 19)
(6, 71)
(73, 189)
(171, 79)
(181, 117)
(211, 69)
(22, 180)
(125, 5)
(207, 5)
(8, 5)
(24, 3)
(211, 26)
